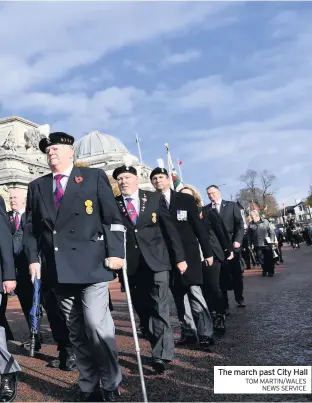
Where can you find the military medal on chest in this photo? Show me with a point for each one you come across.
(154, 219)
(89, 209)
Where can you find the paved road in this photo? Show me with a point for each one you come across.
(274, 329)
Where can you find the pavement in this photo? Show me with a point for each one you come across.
(275, 328)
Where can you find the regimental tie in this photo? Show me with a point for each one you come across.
(58, 193)
(131, 210)
(17, 220)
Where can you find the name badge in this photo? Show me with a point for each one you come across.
(182, 215)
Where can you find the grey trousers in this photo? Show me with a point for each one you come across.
(92, 334)
(193, 313)
(150, 296)
(7, 363)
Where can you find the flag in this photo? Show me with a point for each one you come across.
(176, 183)
(255, 206)
(176, 180)
(180, 162)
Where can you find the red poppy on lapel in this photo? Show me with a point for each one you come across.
(78, 179)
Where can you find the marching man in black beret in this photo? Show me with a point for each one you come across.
(183, 209)
(73, 222)
(148, 224)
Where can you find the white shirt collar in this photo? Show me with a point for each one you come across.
(20, 212)
(67, 171)
(134, 195)
(218, 203)
(167, 194)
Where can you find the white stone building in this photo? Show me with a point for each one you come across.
(104, 151)
(21, 161)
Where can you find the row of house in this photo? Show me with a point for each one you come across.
(300, 212)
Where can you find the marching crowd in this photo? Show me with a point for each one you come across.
(69, 233)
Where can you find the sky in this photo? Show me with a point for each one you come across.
(227, 85)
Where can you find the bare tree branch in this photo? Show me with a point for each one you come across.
(249, 178)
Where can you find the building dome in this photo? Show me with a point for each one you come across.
(96, 143)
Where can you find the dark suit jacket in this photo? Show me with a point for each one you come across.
(69, 239)
(185, 213)
(7, 269)
(147, 237)
(20, 259)
(232, 219)
(217, 233)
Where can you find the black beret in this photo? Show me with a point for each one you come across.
(158, 171)
(123, 169)
(56, 138)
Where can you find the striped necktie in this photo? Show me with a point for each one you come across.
(59, 191)
(17, 220)
(131, 210)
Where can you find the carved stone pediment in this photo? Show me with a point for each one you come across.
(32, 137)
(9, 143)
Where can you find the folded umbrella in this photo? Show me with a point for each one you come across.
(34, 315)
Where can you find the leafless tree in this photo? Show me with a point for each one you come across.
(249, 178)
(258, 189)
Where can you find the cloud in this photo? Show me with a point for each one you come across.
(242, 102)
(80, 36)
(181, 58)
(138, 67)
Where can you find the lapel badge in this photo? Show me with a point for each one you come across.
(89, 210)
(88, 203)
(201, 215)
(154, 218)
(78, 179)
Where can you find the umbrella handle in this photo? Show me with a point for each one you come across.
(32, 345)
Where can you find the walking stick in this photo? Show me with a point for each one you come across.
(131, 312)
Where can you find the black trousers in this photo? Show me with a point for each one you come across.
(232, 269)
(246, 257)
(150, 297)
(265, 256)
(3, 320)
(24, 292)
(211, 288)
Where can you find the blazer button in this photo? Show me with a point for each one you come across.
(135, 230)
(136, 246)
(71, 230)
(74, 248)
(54, 232)
(77, 213)
(56, 248)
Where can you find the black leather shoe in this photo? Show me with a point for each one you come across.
(186, 341)
(68, 363)
(270, 274)
(64, 363)
(89, 397)
(8, 387)
(220, 324)
(111, 396)
(241, 304)
(159, 365)
(206, 342)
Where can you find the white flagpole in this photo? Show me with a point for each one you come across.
(180, 171)
(170, 165)
(139, 148)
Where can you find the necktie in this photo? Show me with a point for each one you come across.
(131, 210)
(59, 191)
(17, 221)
